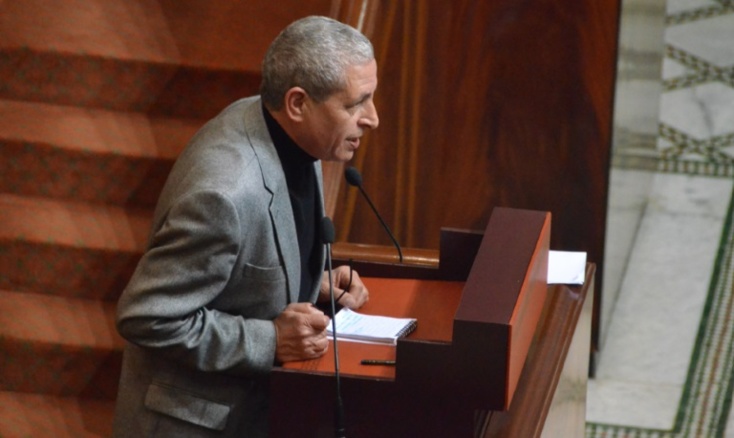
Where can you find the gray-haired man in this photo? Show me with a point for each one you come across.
(226, 287)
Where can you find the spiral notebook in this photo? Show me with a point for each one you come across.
(354, 326)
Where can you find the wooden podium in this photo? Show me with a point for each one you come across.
(485, 360)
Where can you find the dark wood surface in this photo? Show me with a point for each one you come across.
(433, 303)
(494, 324)
(375, 408)
(551, 362)
(454, 374)
(484, 104)
(496, 306)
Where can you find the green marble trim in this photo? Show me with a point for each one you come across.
(685, 155)
(703, 71)
(725, 7)
(708, 151)
(707, 395)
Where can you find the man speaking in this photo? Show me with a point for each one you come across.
(226, 287)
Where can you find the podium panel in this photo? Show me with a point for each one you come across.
(464, 361)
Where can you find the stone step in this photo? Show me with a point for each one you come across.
(58, 345)
(38, 415)
(120, 84)
(176, 57)
(67, 248)
(88, 154)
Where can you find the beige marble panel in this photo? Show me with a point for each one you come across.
(637, 98)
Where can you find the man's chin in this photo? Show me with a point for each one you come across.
(342, 156)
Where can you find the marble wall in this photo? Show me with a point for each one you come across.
(637, 98)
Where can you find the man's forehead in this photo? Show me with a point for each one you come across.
(361, 78)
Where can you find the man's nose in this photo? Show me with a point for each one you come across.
(370, 119)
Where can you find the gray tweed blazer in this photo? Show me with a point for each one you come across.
(222, 263)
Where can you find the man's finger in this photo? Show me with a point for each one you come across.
(318, 321)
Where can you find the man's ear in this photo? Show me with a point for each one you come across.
(295, 102)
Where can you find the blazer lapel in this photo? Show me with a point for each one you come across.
(321, 250)
(281, 213)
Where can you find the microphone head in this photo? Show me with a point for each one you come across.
(327, 231)
(353, 177)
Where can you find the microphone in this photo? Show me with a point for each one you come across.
(327, 238)
(355, 179)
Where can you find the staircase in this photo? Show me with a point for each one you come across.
(97, 98)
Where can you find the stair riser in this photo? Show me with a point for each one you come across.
(25, 415)
(33, 367)
(35, 169)
(65, 271)
(121, 85)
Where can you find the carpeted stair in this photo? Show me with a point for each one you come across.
(97, 98)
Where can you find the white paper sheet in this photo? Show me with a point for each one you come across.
(566, 267)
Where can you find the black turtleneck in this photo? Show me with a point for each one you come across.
(300, 176)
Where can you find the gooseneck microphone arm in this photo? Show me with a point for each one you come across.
(355, 179)
(327, 238)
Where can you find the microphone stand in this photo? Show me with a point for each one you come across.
(339, 429)
(384, 225)
(354, 178)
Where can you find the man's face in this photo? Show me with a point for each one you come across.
(333, 127)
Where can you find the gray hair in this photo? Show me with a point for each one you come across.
(312, 53)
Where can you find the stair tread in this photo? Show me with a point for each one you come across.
(65, 321)
(133, 30)
(76, 224)
(95, 130)
(176, 32)
(24, 415)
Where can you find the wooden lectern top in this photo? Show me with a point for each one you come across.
(475, 334)
(433, 303)
(463, 359)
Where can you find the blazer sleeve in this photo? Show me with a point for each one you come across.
(188, 264)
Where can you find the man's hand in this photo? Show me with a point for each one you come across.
(356, 294)
(301, 333)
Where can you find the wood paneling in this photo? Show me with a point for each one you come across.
(549, 400)
(484, 104)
